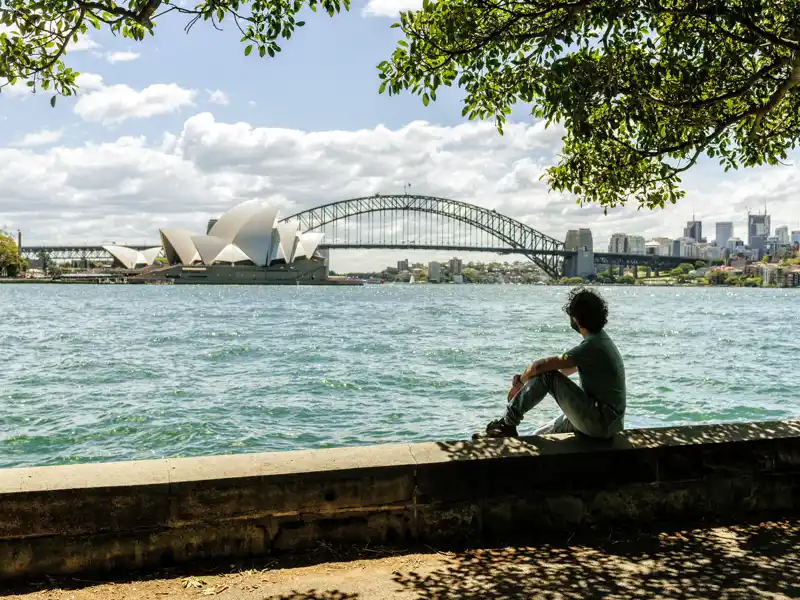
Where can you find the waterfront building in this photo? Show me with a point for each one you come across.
(402, 265)
(758, 230)
(724, 233)
(652, 248)
(694, 230)
(684, 247)
(734, 245)
(782, 235)
(664, 246)
(133, 259)
(247, 245)
(249, 233)
(434, 272)
(618, 244)
(456, 266)
(636, 244)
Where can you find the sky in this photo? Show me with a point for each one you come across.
(180, 127)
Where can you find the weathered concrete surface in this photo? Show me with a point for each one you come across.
(730, 563)
(137, 514)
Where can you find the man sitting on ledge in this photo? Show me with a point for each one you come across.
(596, 408)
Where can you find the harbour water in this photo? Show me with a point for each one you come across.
(94, 373)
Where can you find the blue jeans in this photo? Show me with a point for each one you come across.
(581, 413)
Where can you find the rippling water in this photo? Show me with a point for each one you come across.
(94, 373)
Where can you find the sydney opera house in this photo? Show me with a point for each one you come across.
(248, 244)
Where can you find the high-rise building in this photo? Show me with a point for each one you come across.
(434, 272)
(402, 265)
(618, 244)
(758, 230)
(694, 230)
(724, 233)
(684, 247)
(636, 244)
(664, 246)
(456, 266)
(796, 236)
(782, 233)
(735, 245)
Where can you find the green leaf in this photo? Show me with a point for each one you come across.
(262, 51)
(248, 49)
(425, 99)
(53, 101)
(382, 87)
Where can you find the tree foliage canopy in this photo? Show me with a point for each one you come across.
(10, 260)
(643, 88)
(38, 32)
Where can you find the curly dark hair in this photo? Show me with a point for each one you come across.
(588, 308)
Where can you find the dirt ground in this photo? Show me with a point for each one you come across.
(754, 561)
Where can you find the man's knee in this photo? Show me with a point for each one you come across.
(550, 378)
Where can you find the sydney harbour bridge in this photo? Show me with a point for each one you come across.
(414, 222)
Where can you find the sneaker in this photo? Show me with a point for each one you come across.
(500, 429)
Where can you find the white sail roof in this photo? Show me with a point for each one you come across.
(131, 258)
(150, 255)
(287, 238)
(232, 254)
(255, 237)
(228, 225)
(310, 241)
(178, 246)
(248, 232)
(209, 247)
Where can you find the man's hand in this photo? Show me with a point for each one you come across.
(516, 384)
(544, 365)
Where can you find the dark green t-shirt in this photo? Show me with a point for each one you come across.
(601, 370)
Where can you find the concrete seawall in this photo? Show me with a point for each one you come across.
(127, 515)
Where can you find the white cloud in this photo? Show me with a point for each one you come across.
(44, 137)
(89, 81)
(110, 104)
(126, 189)
(389, 8)
(83, 44)
(117, 57)
(217, 97)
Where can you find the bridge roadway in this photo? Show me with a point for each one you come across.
(98, 253)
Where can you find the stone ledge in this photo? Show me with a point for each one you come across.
(142, 513)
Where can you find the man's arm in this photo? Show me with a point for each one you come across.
(553, 363)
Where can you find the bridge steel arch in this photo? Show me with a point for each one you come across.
(546, 252)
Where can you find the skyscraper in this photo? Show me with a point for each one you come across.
(724, 233)
(618, 244)
(636, 244)
(758, 228)
(782, 233)
(694, 230)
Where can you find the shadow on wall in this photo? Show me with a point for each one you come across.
(740, 562)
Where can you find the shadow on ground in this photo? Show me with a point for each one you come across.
(739, 562)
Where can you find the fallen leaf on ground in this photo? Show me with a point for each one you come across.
(214, 590)
(192, 582)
